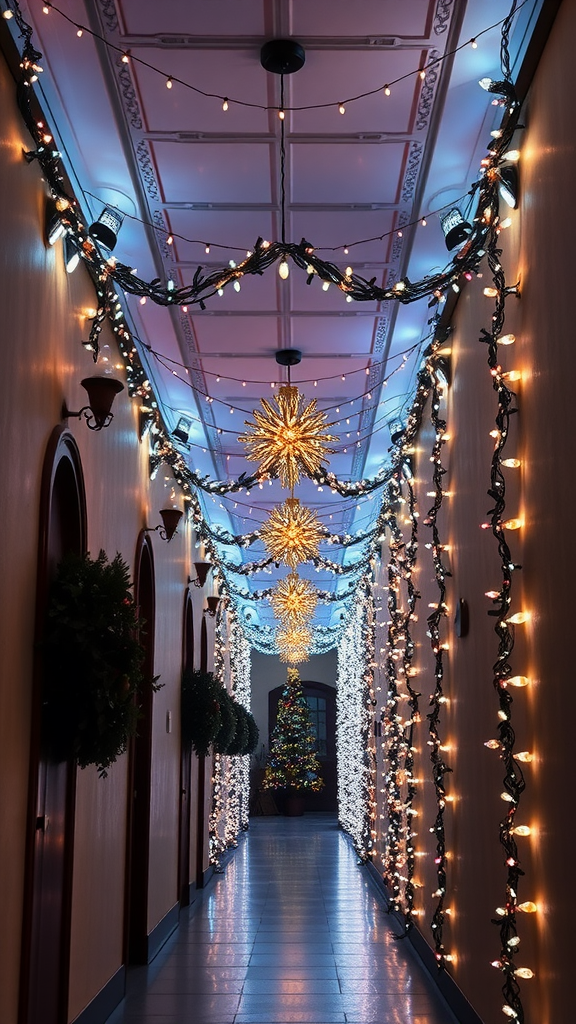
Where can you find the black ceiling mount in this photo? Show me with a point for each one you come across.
(288, 356)
(282, 56)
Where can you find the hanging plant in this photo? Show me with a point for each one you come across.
(253, 734)
(228, 722)
(92, 662)
(239, 741)
(201, 709)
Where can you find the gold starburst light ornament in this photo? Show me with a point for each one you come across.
(292, 534)
(294, 657)
(288, 440)
(293, 643)
(293, 600)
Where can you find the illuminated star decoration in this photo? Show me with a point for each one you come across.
(288, 441)
(292, 534)
(293, 600)
(293, 644)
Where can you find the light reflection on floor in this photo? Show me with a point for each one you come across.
(292, 933)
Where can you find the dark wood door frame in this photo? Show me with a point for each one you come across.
(185, 765)
(139, 773)
(201, 817)
(47, 905)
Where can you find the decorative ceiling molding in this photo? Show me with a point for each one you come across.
(428, 91)
(442, 16)
(109, 15)
(147, 172)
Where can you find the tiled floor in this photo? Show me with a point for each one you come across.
(292, 933)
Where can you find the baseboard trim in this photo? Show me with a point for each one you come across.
(457, 1001)
(103, 1004)
(162, 932)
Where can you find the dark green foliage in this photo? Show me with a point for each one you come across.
(239, 740)
(201, 702)
(253, 734)
(228, 722)
(92, 662)
(211, 716)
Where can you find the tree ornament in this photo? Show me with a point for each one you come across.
(292, 534)
(287, 440)
(293, 600)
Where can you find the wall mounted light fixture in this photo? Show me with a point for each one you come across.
(202, 570)
(213, 603)
(105, 229)
(101, 394)
(167, 528)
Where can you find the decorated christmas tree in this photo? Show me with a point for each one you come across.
(292, 762)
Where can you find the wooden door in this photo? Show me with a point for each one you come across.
(138, 846)
(201, 817)
(49, 855)
(185, 768)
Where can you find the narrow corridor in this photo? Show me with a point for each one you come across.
(294, 931)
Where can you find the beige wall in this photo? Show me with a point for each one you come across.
(43, 361)
(537, 250)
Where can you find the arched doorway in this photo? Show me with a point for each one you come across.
(321, 700)
(140, 766)
(186, 766)
(52, 788)
(202, 776)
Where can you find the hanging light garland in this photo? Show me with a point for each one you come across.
(288, 439)
(355, 703)
(437, 699)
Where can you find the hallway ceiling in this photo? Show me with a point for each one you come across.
(181, 167)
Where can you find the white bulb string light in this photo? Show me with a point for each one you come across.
(226, 101)
(354, 711)
(436, 619)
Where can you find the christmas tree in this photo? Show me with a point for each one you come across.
(292, 762)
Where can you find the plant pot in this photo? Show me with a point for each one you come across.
(294, 807)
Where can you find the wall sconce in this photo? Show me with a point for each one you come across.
(105, 229)
(101, 394)
(202, 570)
(509, 185)
(396, 428)
(71, 255)
(167, 528)
(53, 226)
(455, 228)
(182, 430)
(212, 608)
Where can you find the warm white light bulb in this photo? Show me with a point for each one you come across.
(513, 155)
(506, 339)
(518, 618)
(511, 463)
(283, 270)
(522, 830)
(485, 83)
(225, 105)
(342, 108)
(387, 90)
(518, 681)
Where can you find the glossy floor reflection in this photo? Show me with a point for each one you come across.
(292, 933)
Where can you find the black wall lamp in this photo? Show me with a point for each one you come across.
(167, 528)
(101, 394)
(202, 570)
(213, 603)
